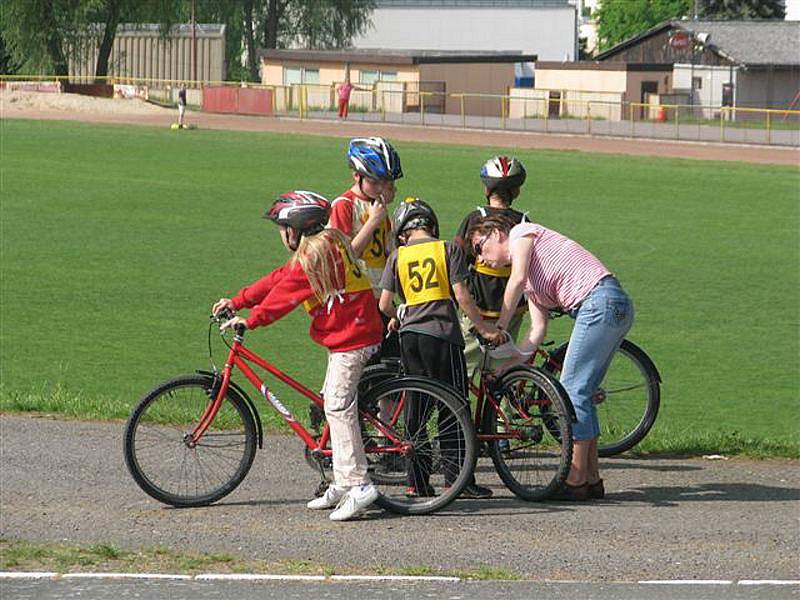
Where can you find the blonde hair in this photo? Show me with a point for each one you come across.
(317, 255)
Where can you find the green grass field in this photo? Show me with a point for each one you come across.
(116, 241)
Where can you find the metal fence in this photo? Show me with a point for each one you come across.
(396, 102)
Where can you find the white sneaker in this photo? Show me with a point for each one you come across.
(329, 499)
(354, 502)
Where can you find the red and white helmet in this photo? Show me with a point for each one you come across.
(306, 212)
(502, 173)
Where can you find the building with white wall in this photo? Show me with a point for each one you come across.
(547, 28)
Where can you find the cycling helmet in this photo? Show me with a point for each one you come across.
(413, 213)
(306, 212)
(375, 158)
(502, 173)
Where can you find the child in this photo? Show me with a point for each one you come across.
(324, 276)
(181, 106)
(502, 178)
(427, 274)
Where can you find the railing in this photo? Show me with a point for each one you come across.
(394, 103)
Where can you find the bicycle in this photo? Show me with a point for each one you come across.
(627, 400)
(523, 419)
(192, 439)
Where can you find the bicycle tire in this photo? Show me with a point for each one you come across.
(629, 397)
(446, 470)
(165, 467)
(536, 463)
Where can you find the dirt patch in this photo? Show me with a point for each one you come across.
(17, 101)
(73, 107)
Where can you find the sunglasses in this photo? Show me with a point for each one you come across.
(477, 249)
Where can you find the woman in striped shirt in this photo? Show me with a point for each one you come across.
(557, 274)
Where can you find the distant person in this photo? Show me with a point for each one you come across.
(181, 106)
(343, 91)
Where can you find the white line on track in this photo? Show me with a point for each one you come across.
(397, 578)
(256, 577)
(393, 578)
(686, 582)
(124, 576)
(769, 582)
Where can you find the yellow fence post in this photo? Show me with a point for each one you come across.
(769, 128)
(463, 114)
(503, 110)
(422, 107)
(722, 124)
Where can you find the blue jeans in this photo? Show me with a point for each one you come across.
(601, 322)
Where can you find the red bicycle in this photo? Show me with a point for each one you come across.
(192, 440)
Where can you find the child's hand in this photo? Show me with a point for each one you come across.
(377, 211)
(222, 304)
(232, 323)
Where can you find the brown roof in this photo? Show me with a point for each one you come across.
(397, 57)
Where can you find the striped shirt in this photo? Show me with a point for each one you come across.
(561, 272)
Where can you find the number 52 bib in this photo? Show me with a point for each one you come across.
(422, 270)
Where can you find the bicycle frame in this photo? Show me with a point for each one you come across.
(240, 357)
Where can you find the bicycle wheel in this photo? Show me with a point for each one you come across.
(431, 430)
(534, 413)
(627, 399)
(165, 466)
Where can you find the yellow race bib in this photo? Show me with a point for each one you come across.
(422, 270)
(356, 280)
(480, 267)
(375, 252)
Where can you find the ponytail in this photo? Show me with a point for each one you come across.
(317, 255)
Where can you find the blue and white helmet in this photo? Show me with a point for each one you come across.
(375, 158)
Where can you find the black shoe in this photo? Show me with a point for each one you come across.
(473, 491)
(571, 493)
(596, 491)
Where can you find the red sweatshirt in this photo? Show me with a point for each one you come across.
(352, 322)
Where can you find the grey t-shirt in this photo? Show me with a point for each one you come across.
(437, 318)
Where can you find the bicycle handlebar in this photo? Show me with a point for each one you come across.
(225, 315)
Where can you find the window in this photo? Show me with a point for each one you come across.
(292, 75)
(295, 75)
(369, 77)
(697, 82)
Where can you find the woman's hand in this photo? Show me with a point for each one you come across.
(232, 323)
(491, 334)
(222, 304)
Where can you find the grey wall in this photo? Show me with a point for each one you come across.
(548, 32)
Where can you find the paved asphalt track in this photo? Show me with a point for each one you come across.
(663, 519)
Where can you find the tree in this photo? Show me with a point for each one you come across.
(619, 20)
(741, 9)
(36, 33)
